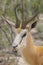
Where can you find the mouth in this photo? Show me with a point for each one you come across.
(15, 47)
(19, 41)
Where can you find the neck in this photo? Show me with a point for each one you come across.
(30, 44)
(30, 40)
(30, 52)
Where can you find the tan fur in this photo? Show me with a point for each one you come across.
(18, 30)
(31, 53)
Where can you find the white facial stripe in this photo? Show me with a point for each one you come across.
(23, 43)
(23, 32)
(17, 40)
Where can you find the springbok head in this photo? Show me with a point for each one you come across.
(21, 32)
(21, 38)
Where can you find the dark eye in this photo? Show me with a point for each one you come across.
(24, 35)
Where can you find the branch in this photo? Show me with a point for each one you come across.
(4, 7)
(6, 20)
(5, 34)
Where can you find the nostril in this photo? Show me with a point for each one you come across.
(15, 51)
(14, 47)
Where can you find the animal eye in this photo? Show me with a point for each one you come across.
(24, 35)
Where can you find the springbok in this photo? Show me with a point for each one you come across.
(24, 42)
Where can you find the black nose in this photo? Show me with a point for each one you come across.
(15, 51)
(15, 46)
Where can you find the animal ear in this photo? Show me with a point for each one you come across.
(28, 26)
(33, 24)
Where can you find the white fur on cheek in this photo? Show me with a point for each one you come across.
(23, 43)
(17, 40)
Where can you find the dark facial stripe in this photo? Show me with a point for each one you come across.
(24, 35)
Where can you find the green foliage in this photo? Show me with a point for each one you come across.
(30, 6)
(8, 2)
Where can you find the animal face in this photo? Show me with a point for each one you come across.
(20, 39)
